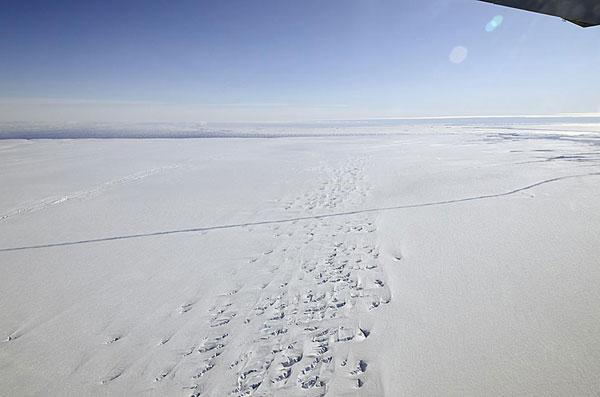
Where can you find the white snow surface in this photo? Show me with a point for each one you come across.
(446, 261)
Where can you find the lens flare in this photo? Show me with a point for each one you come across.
(494, 23)
(458, 54)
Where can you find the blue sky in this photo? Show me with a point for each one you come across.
(286, 60)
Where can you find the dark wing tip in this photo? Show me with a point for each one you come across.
(583, 24)
(584, 13)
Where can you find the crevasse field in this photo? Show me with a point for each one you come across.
(426, 261)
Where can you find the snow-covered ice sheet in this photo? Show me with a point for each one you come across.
(411, 264)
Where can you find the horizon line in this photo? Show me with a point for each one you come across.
(385, 118)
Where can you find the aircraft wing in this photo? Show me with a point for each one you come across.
(584, 13)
